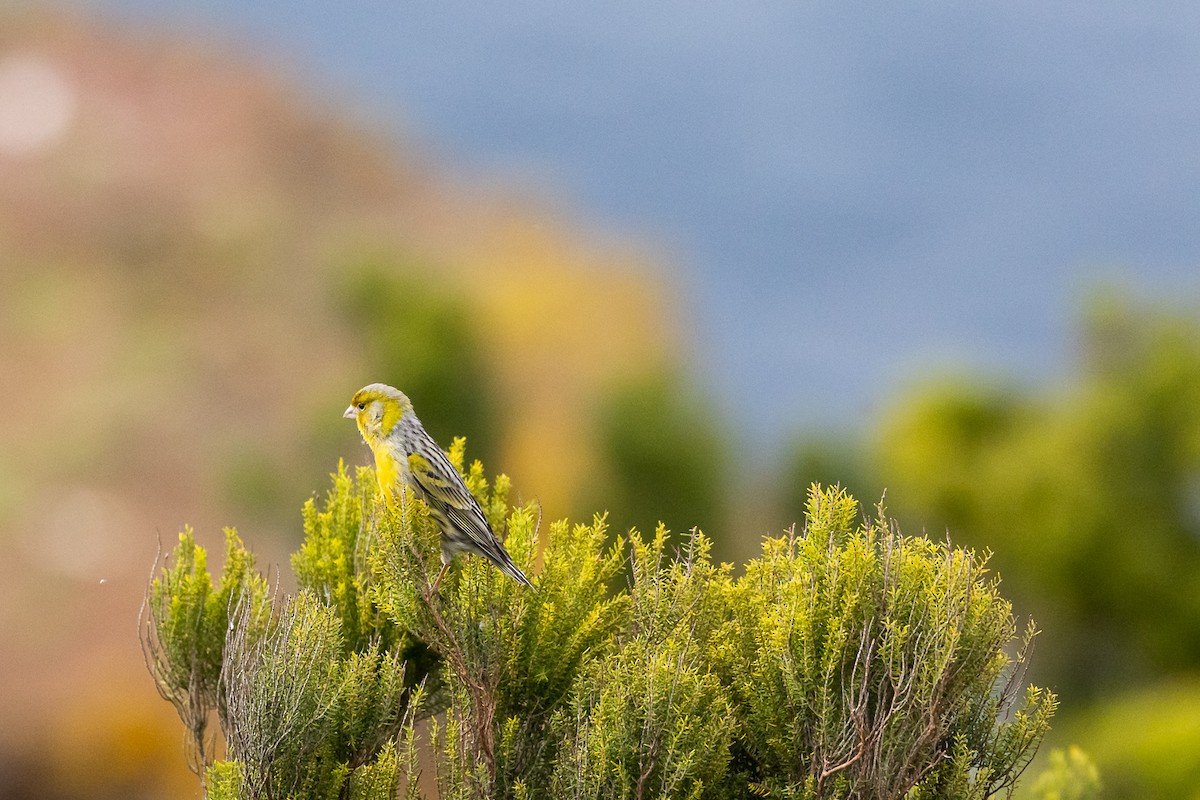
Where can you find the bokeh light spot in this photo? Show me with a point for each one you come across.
(37, 104)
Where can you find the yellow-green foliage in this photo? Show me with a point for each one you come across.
(305, 719)
(1157, 756)
(331, 562)
(185, 621)
(869, 664)
(649, 718)
(311, 694)
(1071, 775)
(511, 655)
(848, 661)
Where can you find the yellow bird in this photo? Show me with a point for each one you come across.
(406, 453)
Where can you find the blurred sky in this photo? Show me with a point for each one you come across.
(848, 191)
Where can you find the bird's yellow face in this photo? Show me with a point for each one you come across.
(377, 409)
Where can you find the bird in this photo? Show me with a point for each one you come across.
(406, 454)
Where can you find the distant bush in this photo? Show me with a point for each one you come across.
(1071, 775)
(848, 661)
(664, 456)
(1090, 496)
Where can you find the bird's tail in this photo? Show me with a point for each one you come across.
(504, 561)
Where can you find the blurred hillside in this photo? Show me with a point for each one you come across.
(202, 260)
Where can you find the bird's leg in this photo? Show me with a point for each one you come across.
(437, 582)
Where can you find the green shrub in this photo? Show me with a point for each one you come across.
(848, 661)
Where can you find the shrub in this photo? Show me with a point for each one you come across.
(848, 661)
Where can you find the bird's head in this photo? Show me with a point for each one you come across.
(377, 409)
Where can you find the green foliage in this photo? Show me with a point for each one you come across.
(869, 664)
(848, 661)
(184, 622)
(1089, 498)
(511, 655)
(311, 692)
(649, 719)
(281, 681)
(331, 561)
(303, 719)
(225, 780)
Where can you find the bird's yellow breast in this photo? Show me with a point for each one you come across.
(388, 471)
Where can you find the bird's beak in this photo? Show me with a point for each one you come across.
(349, 413)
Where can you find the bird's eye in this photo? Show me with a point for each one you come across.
(361, 406)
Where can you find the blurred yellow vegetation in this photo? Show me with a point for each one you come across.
(563, 327)
(1144, 741)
